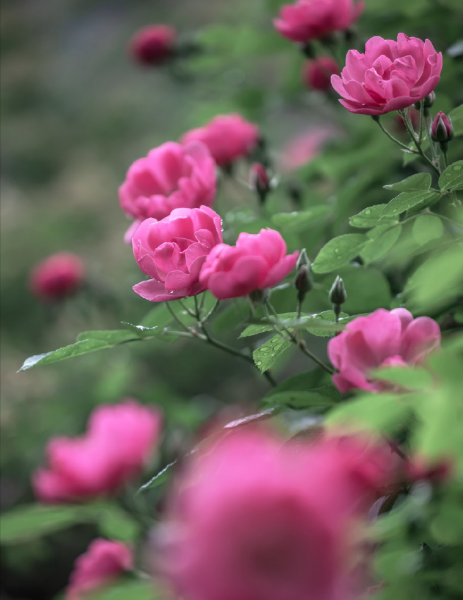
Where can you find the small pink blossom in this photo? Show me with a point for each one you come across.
(308, 20)
(316, 73)
(119, 441)
(57, 276)
(228, 137)
(253, 519)
(153, 45)
(258, 261)
(304, 147)
(171, 176)
(389, 76)
(172, 252)
(381, 339)
(100, 565)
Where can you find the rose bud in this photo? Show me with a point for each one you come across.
(153, 45)
(427, 102)
(259, 181)
(316, 73)
(57, 277)
(441, 128)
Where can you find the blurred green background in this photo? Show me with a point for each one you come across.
(76, 111)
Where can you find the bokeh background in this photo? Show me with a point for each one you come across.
(76, 111)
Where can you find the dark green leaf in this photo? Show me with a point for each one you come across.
(427, 228)
(323, 396)
(338, 252)
(379, 246)
(456, 116)
(369, 217)
(300, 221)
(266, 355)
(114, 523)
(406, 200)
(416, 183)
(159, 478)
(452, 177)
(301, 382)
(111, 337)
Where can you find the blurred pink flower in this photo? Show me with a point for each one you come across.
(57, 276)
(172, 252)
(308, 20)
(171, 176)
(153, 45)
(316, 73)
(228, 138)
(381, 339)
(119, 441)
(254, 519)
(389, 76)
(304, 147)
(258, 261)
(100, 565)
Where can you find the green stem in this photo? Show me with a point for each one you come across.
(417, 143)
(211, 312)
(420, 135)
(176, 319)
(390, 136)
(446, 160)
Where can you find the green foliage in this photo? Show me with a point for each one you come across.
(338, 252)
(135, 590)
(452, 177)
(371, 216)
(266, 355)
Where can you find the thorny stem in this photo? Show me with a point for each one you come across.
(299, 343)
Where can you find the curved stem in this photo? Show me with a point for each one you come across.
(176, 319)
(417, 143)
(390, 136)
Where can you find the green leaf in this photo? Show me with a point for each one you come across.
(33, 520)
(127, 590)
(406, 200)
(76, 349)
(301, 382)
(300, 221)
(427, 228)
(266, 355)
(367, 289)
(416, 183)
(452, 177)
(159, 478)
(115, 523)
(456, 116)
(379, 246)
(320, 397)
(322, 324)
(415, 378)
(338, 252)
(111, 337)
(369, 217)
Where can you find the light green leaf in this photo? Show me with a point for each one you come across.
(416, 183)
(412, 378)
(452, 177)
(77, 349)
(300, 221)
(369, 217)
(338, 252)
(266, 355)
(322, 324)
(141, 331)
(427, 228)
(378, 247)
(320, 397)
(159, 478)
(406, 200)
(456, 116)
(114, 523)
(111, 337)
(127, 590)
(33, 520)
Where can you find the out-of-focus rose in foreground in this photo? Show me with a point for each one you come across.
(171, 176)
(118, 443)
(258, 261)
(308, 20)
(228, 137)
(253, 518)
(57, 277)
(389, 76)
(153, 45)
(382, 339)
(172, 252)
(100, 565)
(304, 147)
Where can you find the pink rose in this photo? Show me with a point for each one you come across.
(153, 45)
(172, 252)
(316, 73)
(257, 261)
(305, 147)
(389, 76)
(228, 138)
(101, 564)
(253, 519)
(308, 20)
(171, 176)
(57, 276)
(118, 443)
(382, 339)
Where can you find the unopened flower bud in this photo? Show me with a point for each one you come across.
(308, 50)
(303, 281)
(441, 128)
(153, 45)
(428, 101)
(259, 180)
(338, 292)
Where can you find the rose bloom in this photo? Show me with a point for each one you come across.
(253, 519)
(57, 276)
(172, 252)
(100, 565)
(303, 148)
(119, 441)
(381, 339)
(316, 73)
(258, 261)
(389, 76)
(171, 176)
(228, 137)
(308, 20)
(153, 45)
